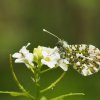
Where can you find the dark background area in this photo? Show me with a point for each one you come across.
(22, 21)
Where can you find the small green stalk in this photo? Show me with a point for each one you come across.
(18, 83)
(66, 95)
(54, 83)
(49, 69)
(37, 91)
(37, 84)
(13, 93)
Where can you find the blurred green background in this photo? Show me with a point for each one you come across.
(22, 21)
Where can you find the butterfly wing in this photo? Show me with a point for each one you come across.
(85, 59)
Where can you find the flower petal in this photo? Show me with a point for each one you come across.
(16, 55)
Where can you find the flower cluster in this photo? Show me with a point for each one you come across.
(24, 56)
(46, 56)
(42, 56)
(84, 58)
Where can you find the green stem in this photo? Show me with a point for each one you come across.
(66, 95)
(31, 69)
(13, 93)
(37, 79)
(46, 70)
(54, 83)
(17, 81)
(37, 91)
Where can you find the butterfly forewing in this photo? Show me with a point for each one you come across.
(84, 58)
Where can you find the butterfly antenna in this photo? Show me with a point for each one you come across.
(44, 30)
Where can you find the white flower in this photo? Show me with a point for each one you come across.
(46, 56)
(63, 63)
(50, 56)
(24, 56)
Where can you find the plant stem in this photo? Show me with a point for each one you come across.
(46, 70)
(13, 93)
(17, 81)
(37, 91)
(54, 83)
(37, 79)
(65, 95)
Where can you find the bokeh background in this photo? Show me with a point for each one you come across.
(22, 21)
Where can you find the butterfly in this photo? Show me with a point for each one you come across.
(84, 58)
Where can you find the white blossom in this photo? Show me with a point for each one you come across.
(46, 56)
(50, 56)
(24, 56)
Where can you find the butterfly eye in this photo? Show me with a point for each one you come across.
(59, 44)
